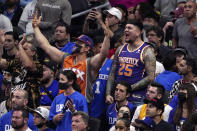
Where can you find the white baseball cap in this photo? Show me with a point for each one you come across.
(42, 111)
(115, 12)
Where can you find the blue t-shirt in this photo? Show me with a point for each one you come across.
(57, 105)
(48, 129)
(5, 122)
(167, 79)
(67, 48)
(53, 89)
(98, 103)
(112, 113)
(174, 102)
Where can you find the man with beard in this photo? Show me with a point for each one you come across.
(49, 89)
(122, 93)
(20, 119)
(41, 115)
(186, 68)
(85, 67)
(13, 11)
(62, 37)
(134, 62)
(19, 101)
(68, 102)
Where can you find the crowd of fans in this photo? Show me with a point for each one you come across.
(131, 66)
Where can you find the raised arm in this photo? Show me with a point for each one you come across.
(111, 78)
(150, 64)
(26, 61)
(55, 54)
(95, 16)
(91, 16)
(3, 62)
(97, 60)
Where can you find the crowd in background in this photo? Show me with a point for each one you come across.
(130, 66)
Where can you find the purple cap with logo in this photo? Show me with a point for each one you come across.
(86, 39)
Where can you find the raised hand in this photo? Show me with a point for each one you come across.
(36, 21)
(107, 30)
(23, 40)
(2, 37)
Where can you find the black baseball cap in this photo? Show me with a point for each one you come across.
(50, 64)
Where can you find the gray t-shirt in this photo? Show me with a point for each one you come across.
(5, 23)
(166, 6)
(184, 36)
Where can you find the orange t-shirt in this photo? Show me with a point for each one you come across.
(80, 70)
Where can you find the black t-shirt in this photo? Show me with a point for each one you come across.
(163, 126)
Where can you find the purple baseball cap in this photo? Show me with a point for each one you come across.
(86, 39)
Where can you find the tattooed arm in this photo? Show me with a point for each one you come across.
(111, 78)
(150, 64)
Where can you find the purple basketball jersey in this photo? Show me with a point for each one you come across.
(131, 68)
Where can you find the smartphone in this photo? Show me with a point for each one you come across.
(93, 9)
(68, 99)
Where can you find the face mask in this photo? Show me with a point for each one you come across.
(77, 49)
(63, 86)
(182, 96)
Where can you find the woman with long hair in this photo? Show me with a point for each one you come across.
(186, 106)
(68, 102)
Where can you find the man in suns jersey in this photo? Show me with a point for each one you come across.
(134, 62)
(85, 68)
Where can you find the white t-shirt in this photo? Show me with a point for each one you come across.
(3, 109)
(12, 129)
(159, 68)
(113, 128)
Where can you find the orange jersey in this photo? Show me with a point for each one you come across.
(80, 70)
